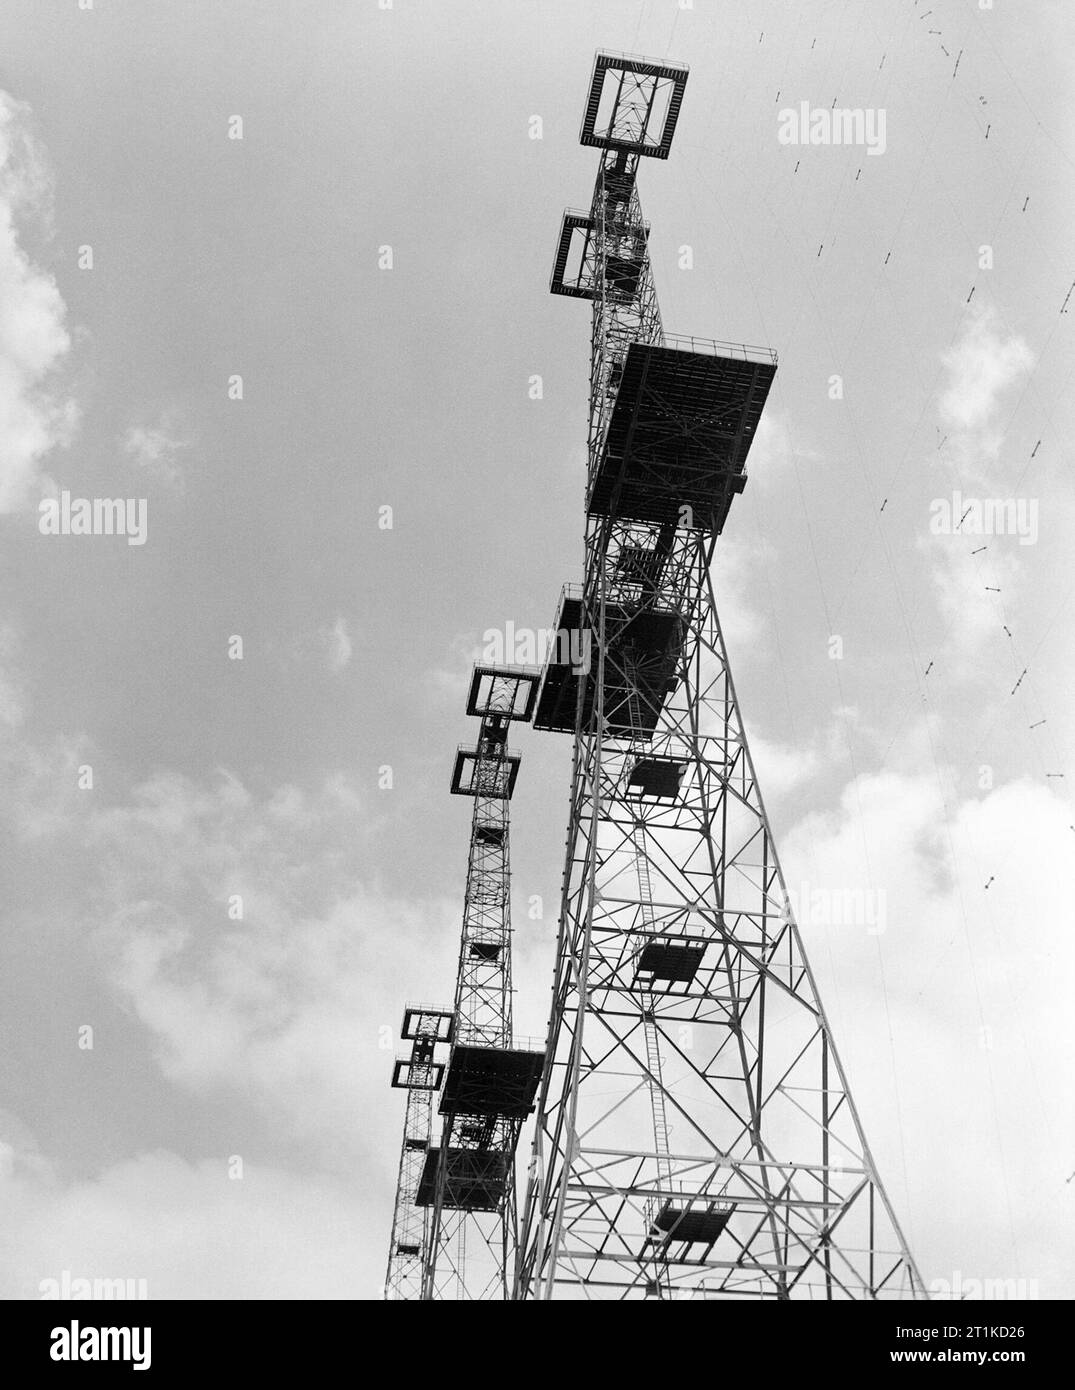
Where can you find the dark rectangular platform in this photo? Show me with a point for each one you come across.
(647, 641)
(655, 779)
(663, 958)
(679, 434)
(699, 1224)
(476, 1179)
(493, 1081)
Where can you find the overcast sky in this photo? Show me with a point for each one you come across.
(905, 766)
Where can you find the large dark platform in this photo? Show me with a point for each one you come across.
(679, 433)
(655, 779)
(646, 642)
(475, 1181)
(693, 1223)
(668, 959)
(495, 1081)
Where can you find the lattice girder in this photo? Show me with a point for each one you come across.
(736, 1065)
(758, 1112)
(468, 1185)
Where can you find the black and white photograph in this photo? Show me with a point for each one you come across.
(537, 664)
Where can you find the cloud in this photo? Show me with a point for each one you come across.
(11, 704)
(287, 1013)
(450, 681)
(246, 935)
(188, 1229)
(781, 767)
(963, 584)
(981, 366)
(773, 452)
(952, 1020)
(747, 561)
(337, 644)
(245, 930)
(40, 778)
(33, 337)
(329, 646)
(154, 448)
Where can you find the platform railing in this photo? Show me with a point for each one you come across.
(638, 58)
(713, 347)
(516, 1044)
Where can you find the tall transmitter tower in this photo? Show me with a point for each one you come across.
(695, 1134)
(454, 1232)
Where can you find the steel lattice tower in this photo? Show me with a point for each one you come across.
(455, 1229)
(421, 1075)
(695, 1136)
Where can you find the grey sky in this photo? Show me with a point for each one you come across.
(363, 387)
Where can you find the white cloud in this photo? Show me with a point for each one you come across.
(737, 563)
(11, 710)
(155, 447)
(450, 682)
(284, 1006)
(964, 587)
(781, 767)
(284, 1009)
(290, 1013)
(773, 452)
(337, 644)
(188, 1229)
(745, 566)
(966, 569)
(981, 366)
(40, 778)
(33, 338)
(952, 1022)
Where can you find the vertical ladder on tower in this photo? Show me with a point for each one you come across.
(658, 1284)
(649, 1021)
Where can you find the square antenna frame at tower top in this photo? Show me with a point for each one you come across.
(509, 691)
(633, 105)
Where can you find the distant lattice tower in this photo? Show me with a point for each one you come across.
(696, 1136)
(421, 1075)
(456, 1224)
